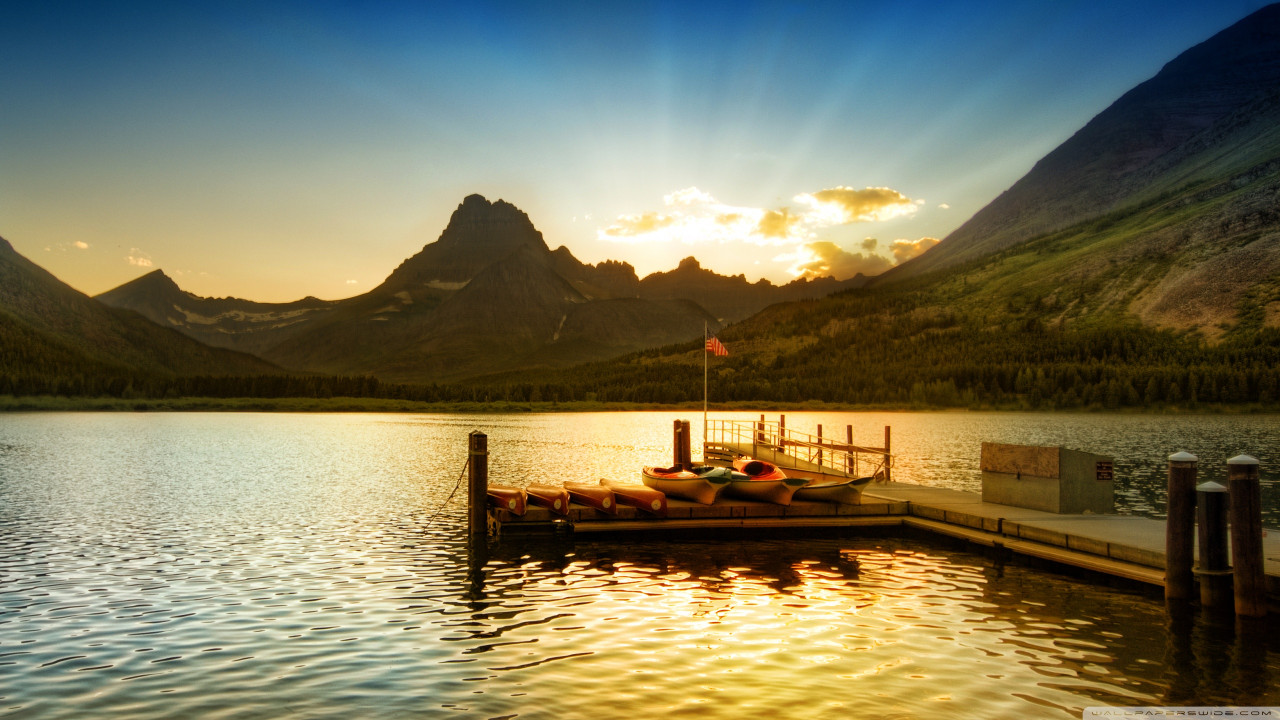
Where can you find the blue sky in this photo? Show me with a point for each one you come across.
(272, 150)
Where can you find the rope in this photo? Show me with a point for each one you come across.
(456, 485)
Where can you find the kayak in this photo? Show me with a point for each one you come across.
(763, 481)
(511, 499)
(701, 485)
(645, 498)
(555, 499)
(836, 490)
(593, 496)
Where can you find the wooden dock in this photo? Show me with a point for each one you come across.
(1118, 546)
(1123, 546)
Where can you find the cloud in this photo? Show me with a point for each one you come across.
(777, 223)
(870, 244)
(353, 282)
(633, 225)
(904, 250)
(138, 258)
(822, 259)
(692, 216)
(844, 205)
(82, 245)
(944, 206)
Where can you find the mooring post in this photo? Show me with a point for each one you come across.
(887, 455)
(1212, 569)
(848, 451)
(1246, 536)
(759, 440)
(478, 484)
(676, 430)
(819, 445)
(782, 433)
(686, 446)
(1180, 528)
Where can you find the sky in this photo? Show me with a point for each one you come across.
(274, 150)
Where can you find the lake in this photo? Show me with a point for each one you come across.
(167, 565)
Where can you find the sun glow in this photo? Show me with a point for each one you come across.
(692, 216)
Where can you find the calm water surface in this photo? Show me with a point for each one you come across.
(264, 566)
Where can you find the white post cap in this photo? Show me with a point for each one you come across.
(1243, 460)
(1183, 456)
(1211, 487)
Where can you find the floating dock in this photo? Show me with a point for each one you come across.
(1120, 546)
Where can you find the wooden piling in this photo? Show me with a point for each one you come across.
(819, 446)
(887, 455)
(686, 446)
(1212, 570)
(848, 457)
(1179, 581)
(1246, 536)
(677, 430)
(477, 484)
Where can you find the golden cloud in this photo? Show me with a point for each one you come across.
(904, 250)
(823, 259)
(138, 258)
(776, 223)
(843, 205)
(632, 225)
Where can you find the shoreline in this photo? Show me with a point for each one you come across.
(45, 403)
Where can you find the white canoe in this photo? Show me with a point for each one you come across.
(839, 490)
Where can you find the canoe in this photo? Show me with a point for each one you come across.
(836, 490)
(554, 498)
(593, 496)
(645, 498)
(702, 485)
(512, 499)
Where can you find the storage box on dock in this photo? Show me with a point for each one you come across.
(1053, 479)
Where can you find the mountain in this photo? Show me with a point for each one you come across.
(1205, 124)
(50, 330)
(221, 322)
(488, 296)
(1138, 264)
(732, 298)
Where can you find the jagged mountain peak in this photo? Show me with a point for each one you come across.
(479, 232)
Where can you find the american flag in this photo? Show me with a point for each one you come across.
(715, 347)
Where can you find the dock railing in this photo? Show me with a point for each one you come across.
(762, 439)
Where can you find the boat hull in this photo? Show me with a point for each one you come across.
(644, 498)
(593, 496)
(847, 492)
(684, 484)
(512, 499)
(778, 492)
(552, 497)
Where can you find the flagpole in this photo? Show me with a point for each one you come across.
(704, 389)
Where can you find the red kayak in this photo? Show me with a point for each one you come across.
(511, 499)
(555, 499)
(593, 496)
(638, 496)
(763, 481)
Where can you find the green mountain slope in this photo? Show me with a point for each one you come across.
(1207, 116)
